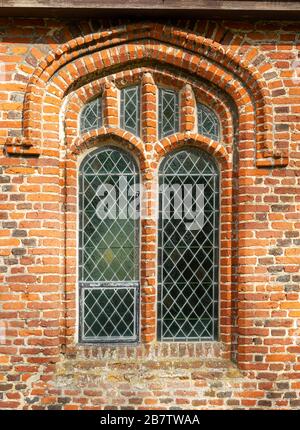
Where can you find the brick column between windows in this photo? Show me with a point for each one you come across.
(148, 257)
(149, 221)
(110, 105)
(149, 111)
(188, 109)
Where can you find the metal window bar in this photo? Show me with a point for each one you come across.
(208, 123)
(91, 116)
(109, 247)
(130, 109)
(188, 259)
(168, 112)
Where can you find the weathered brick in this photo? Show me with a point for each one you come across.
(245, 72)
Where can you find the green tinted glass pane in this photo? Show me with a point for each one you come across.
(91, 116)
(130, 109)
(168, 107)
(188, 163)
(109, 207)
(208, 123)
(188, 247)
(109, 313)
(109, 246)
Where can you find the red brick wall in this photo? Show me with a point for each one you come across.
(248, 72)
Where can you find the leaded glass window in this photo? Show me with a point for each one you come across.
(208, 123)
(91, 116)
(168, 117)
(130, 109)
(109, 246)
(188, 247)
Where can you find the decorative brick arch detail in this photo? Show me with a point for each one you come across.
(236, 92)
(78, 70)
(188, 51)
(203, 93)
(179, 140)
(131, 142)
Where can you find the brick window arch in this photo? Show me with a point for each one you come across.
(172, 106)
(150, 150)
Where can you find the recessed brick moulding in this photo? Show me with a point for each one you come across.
(245, 78)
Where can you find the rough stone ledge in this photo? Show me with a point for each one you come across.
(92, 373)
(163, 350)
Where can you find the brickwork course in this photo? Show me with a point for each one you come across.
(249, 73)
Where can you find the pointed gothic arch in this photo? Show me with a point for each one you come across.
(85, 57)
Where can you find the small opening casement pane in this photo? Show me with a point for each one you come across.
(109, 246)
(91, 116)
(188, 247)
(114, 319)
(208, 123)
(130, 109)
(168, 115)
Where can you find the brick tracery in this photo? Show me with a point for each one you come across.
(201, 92)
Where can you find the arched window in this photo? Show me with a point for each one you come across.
(188, 247)
(109, 246)
(187, 294)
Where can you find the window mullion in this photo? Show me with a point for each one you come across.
(110, 105)
(149, 96)
(187, 109)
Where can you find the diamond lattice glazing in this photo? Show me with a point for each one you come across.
(109, 313)
(188, 250)
(109, 245)
(168, 120)
(130, 109)
(208, 123)
(91, 116)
